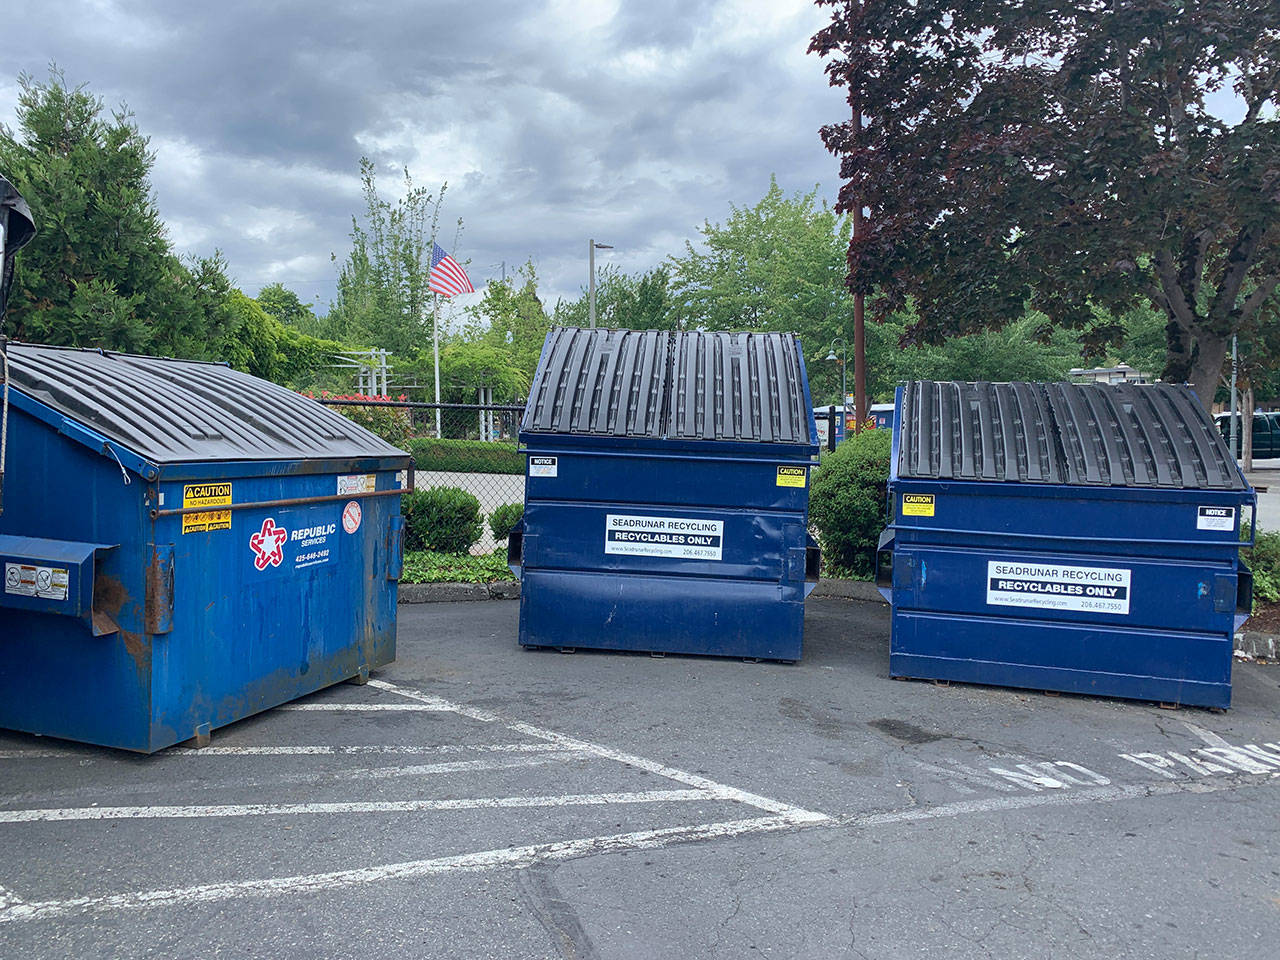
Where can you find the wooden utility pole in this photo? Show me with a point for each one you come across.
(859, 329)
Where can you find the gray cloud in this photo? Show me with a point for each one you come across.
(552, 122)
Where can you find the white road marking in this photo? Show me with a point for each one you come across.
(1207, 736)
(365, 806)
(506, 858)
(1021, 801)
(719, 790)
(299, 750)
(364, 707)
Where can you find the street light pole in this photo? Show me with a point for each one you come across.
(844, 369)
(592, 246)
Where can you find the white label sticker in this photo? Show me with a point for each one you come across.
(357, 483)
(28, 580)
(351, 514)
(1216, 518)
(680, 537)
(1054, 587)
(543, 466)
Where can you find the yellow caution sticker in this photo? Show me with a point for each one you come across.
(917, 504)
(206, 495)
(792, 476)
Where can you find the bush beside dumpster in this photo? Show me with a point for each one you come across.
(504, 519)
(847, 502)
(443, 519)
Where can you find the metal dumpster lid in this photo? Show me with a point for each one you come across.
(174, 411)
(689, 385)
(1118, 435)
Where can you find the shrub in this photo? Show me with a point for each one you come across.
(847, 502)
(466, 456)
(1264, 560)
(504, 519)
(444, 519)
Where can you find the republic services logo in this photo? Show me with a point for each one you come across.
(267, 545)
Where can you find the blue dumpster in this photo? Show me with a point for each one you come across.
(1070, 537)
(667, 492)
(183, 546)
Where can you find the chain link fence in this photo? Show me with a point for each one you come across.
(470, 447)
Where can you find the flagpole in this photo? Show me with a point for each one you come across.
(435, 349)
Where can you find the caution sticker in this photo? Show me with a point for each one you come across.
(206, 495)
(357, 483)
(917, 504)
(29, 580)
(792, 476)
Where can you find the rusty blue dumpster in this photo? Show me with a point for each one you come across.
(667, 494)
(184, 545)
(1073, 537)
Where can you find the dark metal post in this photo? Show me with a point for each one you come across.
(831, 427)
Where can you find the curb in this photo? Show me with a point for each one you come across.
(1264, 646)
(863, 590)
(510, 590)
(453, 592)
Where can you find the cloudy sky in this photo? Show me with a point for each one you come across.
(631, 121)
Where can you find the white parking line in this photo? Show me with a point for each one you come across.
(299, 750)
(364, 707)
(15, 909)
(719, 790)
(551, 746)
(377, 806)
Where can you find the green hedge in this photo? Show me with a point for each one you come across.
(504, 519)
(847, 501)
(466, 456)
(444, 519)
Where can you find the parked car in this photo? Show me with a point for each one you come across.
(1266, 434)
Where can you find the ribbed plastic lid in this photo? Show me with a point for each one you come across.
(179, 411)
(1119, 435)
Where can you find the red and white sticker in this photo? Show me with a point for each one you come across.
(351, 517)
(268, 544)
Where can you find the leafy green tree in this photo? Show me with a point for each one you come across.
(1065, 156)
(468, 365)
(624, 301)
(100, 271)
(383, 296)
(285, 305)
(510, 317)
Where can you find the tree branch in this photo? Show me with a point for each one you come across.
(1233, 273)
(1189, 276)
(1175, 299)
(1259, 296)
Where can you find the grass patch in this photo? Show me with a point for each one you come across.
(426, 566)
(466, 456)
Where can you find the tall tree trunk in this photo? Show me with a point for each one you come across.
(1206, 369)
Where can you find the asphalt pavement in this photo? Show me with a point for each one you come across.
(476, 800)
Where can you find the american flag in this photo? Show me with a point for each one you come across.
(447, 278)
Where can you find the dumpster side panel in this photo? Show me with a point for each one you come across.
(1127, 592)
(57, 678)
(272, 602)
(665, 553)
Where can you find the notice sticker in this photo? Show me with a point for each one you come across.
(20, 579)
(206, 495)
(792, 476)
(543, 466)
(1216, 518)
(917, 504)
(357, 483)
(1053, 587)
(682, 538)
